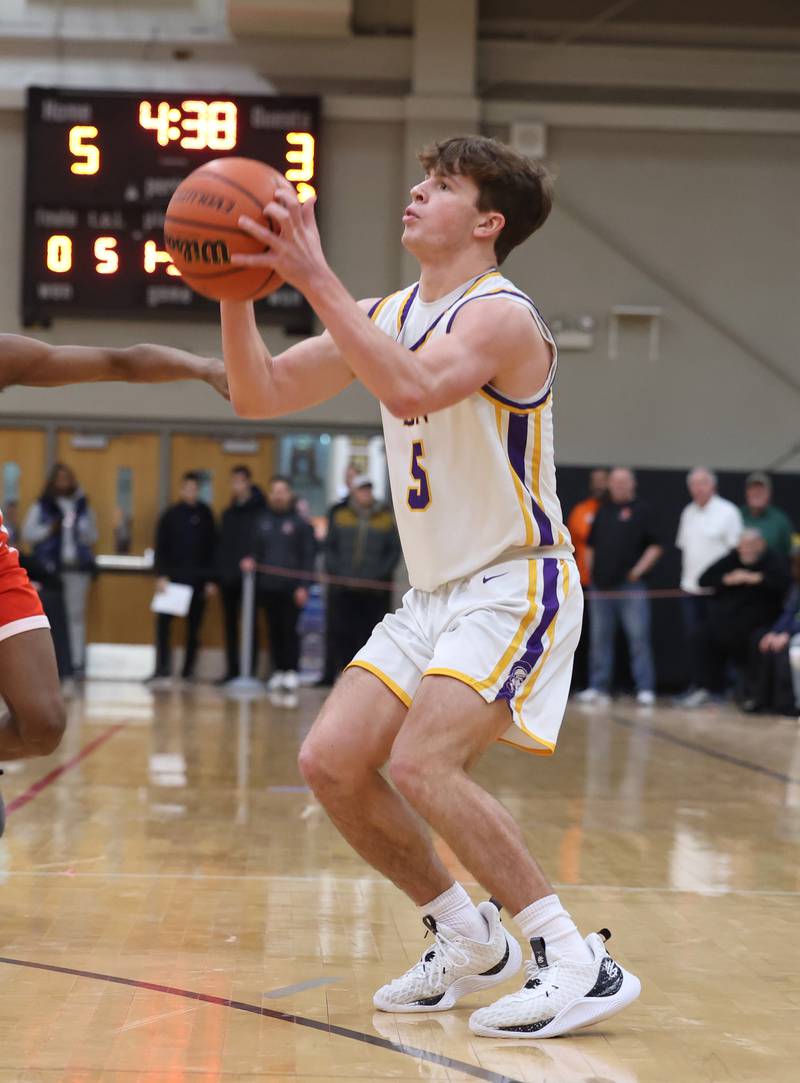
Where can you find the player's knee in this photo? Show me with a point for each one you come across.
(329, 770)
(43, 723)
(408, 774)
(321, 767)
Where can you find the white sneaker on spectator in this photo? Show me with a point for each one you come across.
(275, 683)
(291, 681)
(593, 697)
(646, 698)
(699, 698)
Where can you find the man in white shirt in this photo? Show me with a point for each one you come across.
(710, 527)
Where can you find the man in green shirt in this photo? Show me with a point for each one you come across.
(773, 525)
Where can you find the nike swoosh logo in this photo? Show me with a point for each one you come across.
(487, 578)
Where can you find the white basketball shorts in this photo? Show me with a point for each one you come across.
(509, 631)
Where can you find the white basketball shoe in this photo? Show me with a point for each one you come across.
(561, 996)
(453, 967)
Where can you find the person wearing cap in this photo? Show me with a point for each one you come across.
(758, 512)
(362, 544)
(283, 551)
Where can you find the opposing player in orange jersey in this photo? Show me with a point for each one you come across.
(34, 722)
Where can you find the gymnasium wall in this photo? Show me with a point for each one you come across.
(703, 224)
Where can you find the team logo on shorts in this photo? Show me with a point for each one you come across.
(520, 672)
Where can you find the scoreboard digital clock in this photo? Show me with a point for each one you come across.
(100, 170)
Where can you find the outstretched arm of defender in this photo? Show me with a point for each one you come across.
(265, 386)
(30, 363)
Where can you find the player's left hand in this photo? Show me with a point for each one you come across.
(289, 228)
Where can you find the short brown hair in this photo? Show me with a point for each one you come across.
(508, 182)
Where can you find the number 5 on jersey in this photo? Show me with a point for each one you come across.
(419, 495)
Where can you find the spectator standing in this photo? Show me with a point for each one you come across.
(236, 539)
(185, 552)
(622, 548)
(61, 530)
(770, 680)
(774, 525)
(709, 528)
(282, 539)
(749, 586)
(345, 491)
(579, 524)
(362, 543)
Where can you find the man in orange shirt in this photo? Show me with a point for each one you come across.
(579, 525)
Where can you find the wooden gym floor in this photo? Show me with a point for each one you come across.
(176, 907)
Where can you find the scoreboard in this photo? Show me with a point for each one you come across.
(100, 170)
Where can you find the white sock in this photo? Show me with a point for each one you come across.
(457, 910)
(548, 918)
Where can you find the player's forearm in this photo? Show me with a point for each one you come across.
(248, 362)
(387, 369)
(148, 363)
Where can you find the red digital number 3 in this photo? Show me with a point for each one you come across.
(419, 495)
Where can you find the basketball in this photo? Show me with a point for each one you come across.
(201, 228)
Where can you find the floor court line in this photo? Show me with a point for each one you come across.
(630, 889)
(53, 776)
(713, 753)
(273, 1013)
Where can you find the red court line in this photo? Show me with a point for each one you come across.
(57, 772)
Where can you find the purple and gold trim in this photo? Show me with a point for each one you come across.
(493, 395)
(516, 447)
(521, 668)
(405, 308)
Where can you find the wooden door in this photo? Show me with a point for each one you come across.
(121, 480)
(23, 462)
(215, 458)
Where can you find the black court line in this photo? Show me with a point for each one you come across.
(713, 753)
(283, 1017)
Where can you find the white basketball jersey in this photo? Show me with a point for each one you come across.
(476, 481)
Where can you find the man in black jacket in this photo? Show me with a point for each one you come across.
(185, 550)
(749, 586)
(235, 542)
(362, 543)
(284, 540)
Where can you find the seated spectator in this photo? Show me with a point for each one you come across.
(622, 548)
(235, 542)
(770, 678)
(749, 586)
(362, 543)
(709, 528)
(774, 525)
(284, 540)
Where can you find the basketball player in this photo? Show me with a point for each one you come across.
(481, 649)
(29, 681)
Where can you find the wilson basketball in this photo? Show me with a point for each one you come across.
(201, 228)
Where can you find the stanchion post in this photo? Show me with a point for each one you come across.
(245, 684)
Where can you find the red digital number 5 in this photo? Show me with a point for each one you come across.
(419, 495)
